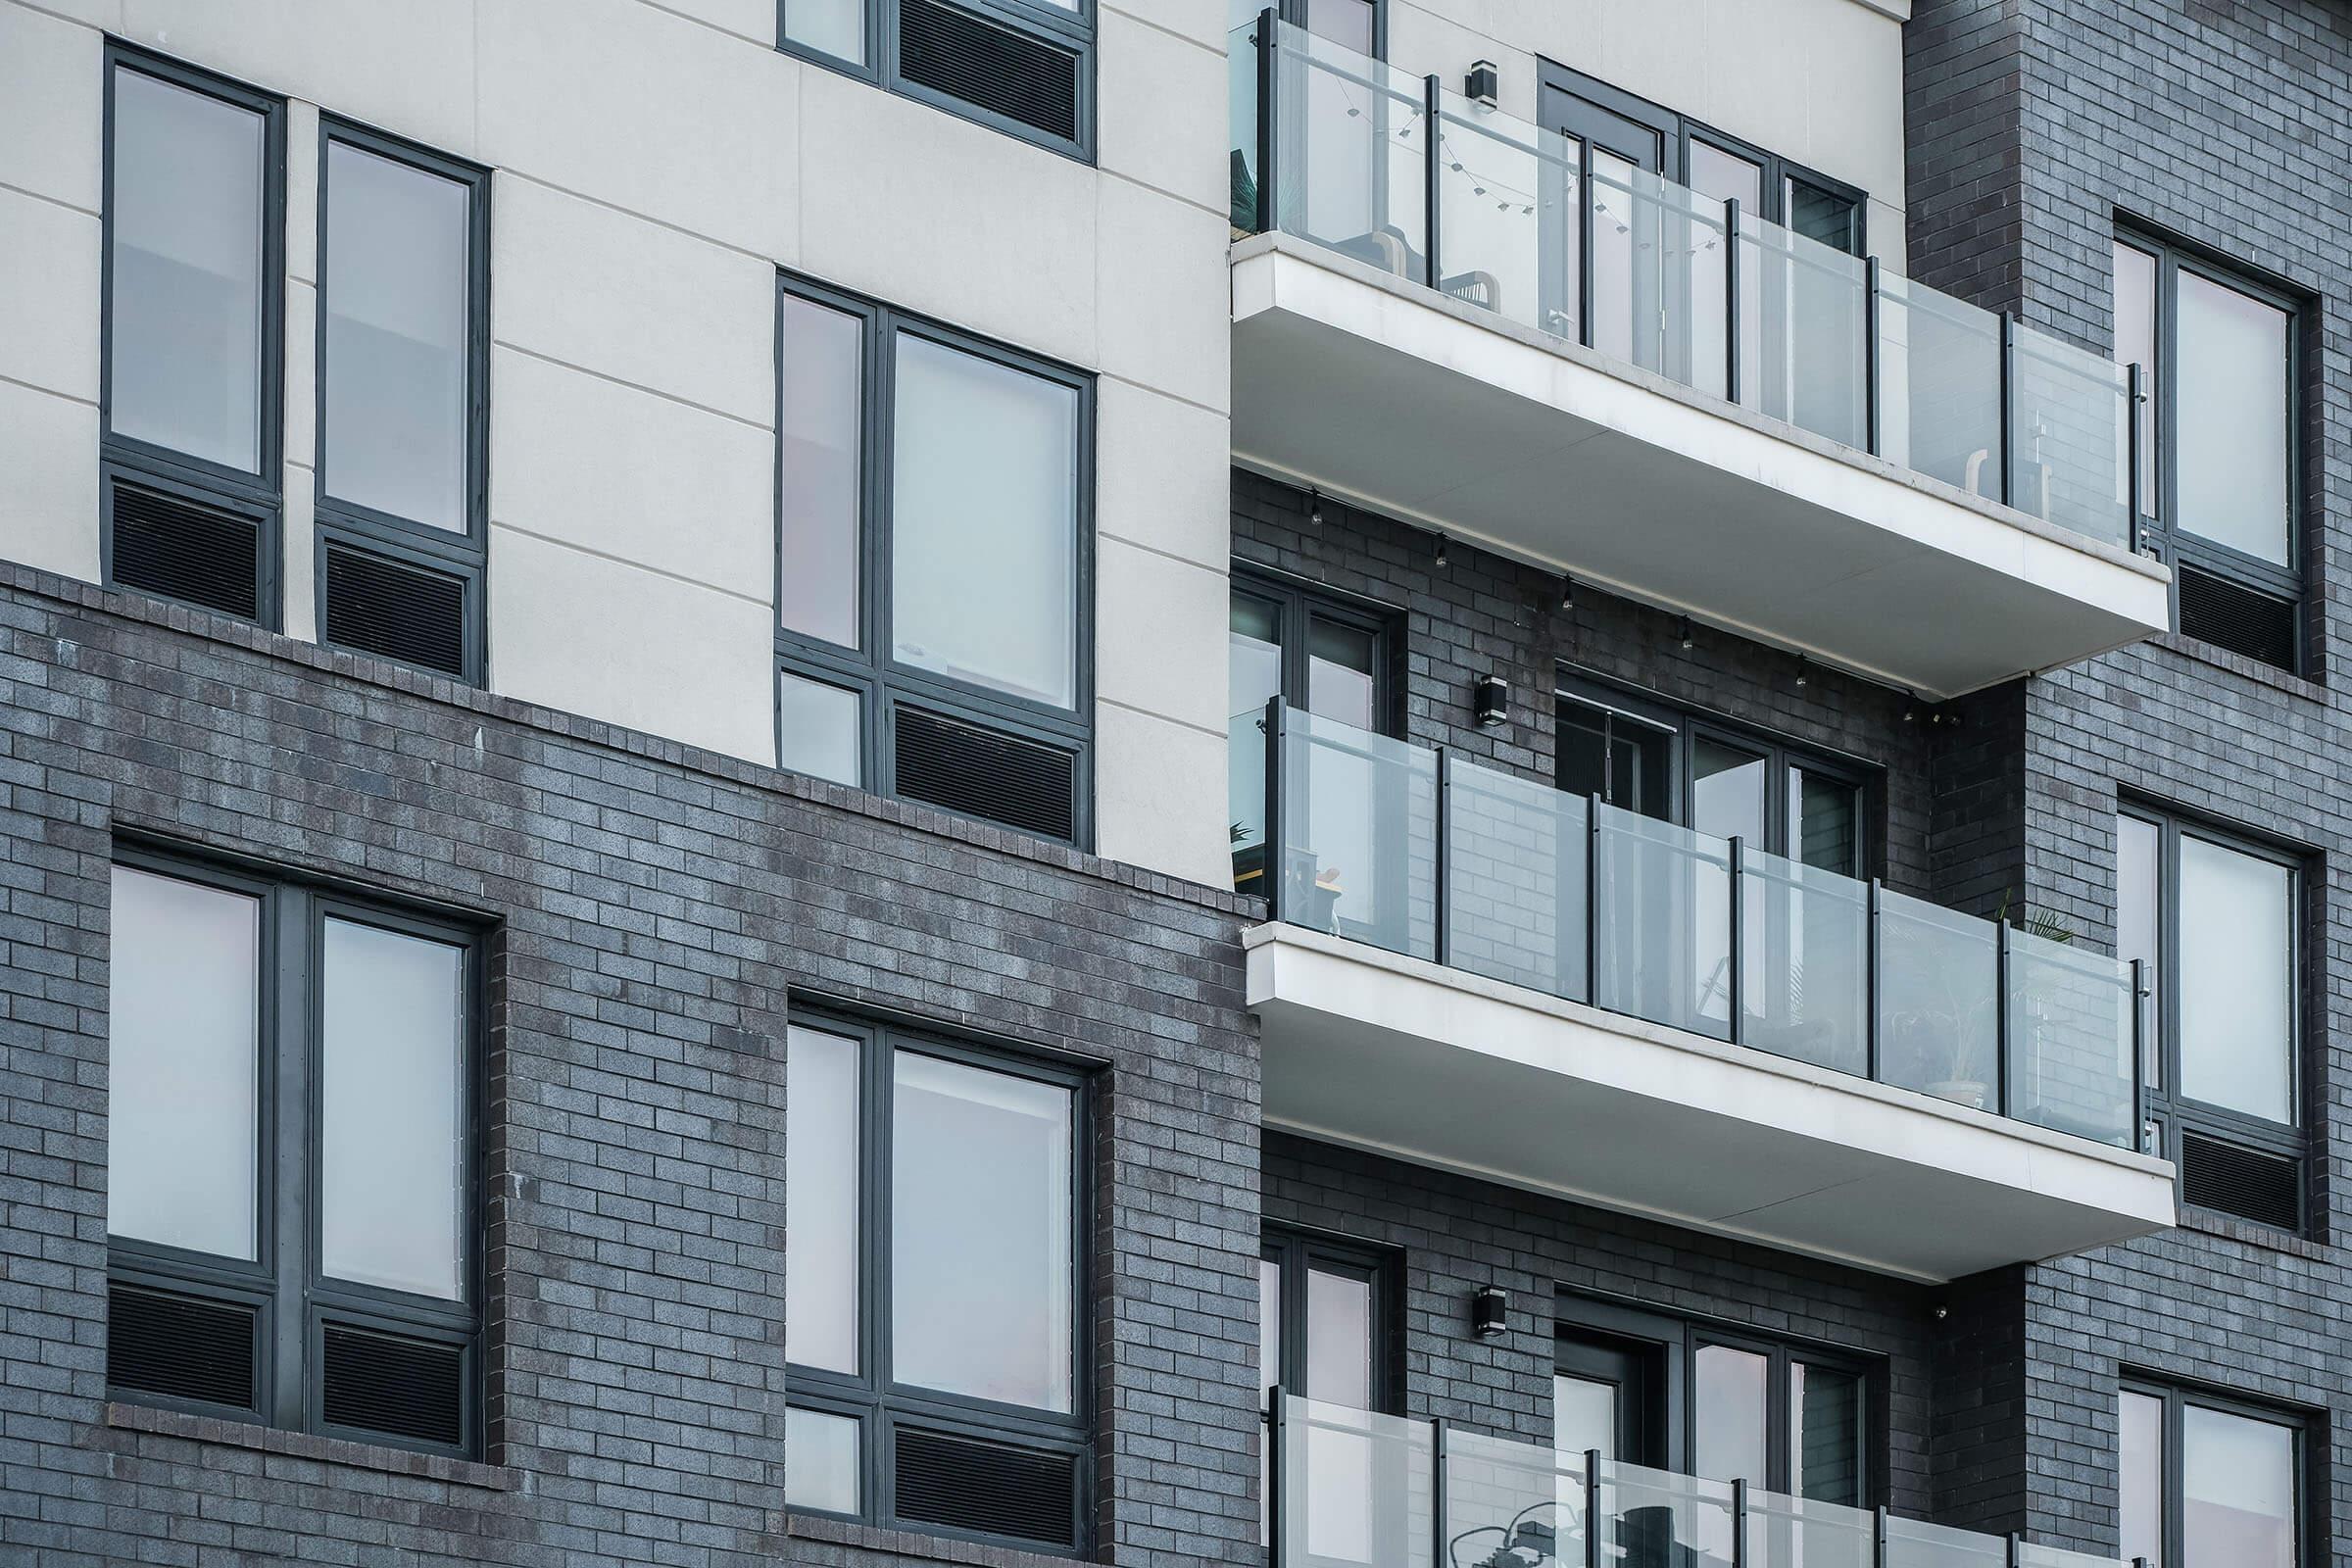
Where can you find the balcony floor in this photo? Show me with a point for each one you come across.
(1447, 1069)
(1435, 410)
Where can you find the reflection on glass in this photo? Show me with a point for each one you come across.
(1662, 923)
(1515, 855)
(1340, 677)
(1728, 1435)
(1346, 23)
(2237, 987)
(981, 1233)
(2136, 342)
(1824, 1437)
(1339, 1338)
(819, 728)
(180, 1078)
(1825, 822)
(984, 521)
(391, 1136)
(2140, 1479)
(184, 311)
(395, 298)
(820, 455)
(2238, 1491)
(2231, 422)
(821, 1200)
(820, 1461)
(2137, 843)
(835, 28)
(1726, 792)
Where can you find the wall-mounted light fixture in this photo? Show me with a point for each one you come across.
(1567, 592)
(1314, 507)
(1685, 634)
(1437, 556)
(1491, 697)
(1489, 1312)
(1483, 83)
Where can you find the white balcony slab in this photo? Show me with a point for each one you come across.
(1447, 1069)
(1430, 410)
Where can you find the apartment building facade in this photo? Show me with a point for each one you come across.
(1362, 784)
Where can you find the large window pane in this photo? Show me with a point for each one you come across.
(984, 516)
(396, 304)
(391, 1136)
(185, 306)
(2238, 1484)
(1728, 1434)
(2135, 344)
(182, 1065)
(820, 1201)
(2138, 888)
(836, 27)
(820, 447)
(1339, 1338)
(2139, 1477)
(2236, 981)
(820, 1461)
(1824, 1437)
(2231, 389)
(981, 1233)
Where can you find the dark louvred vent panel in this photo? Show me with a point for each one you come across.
(181, 550)
(990, 67)
(387, 1382)
(407, 613)
(981, 772)
(990, 1489)
(2245, 620)
(2253, 1185)
(180, 1347)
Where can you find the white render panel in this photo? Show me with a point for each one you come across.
(300, 598)
(594, 635)
(49, 492)
(51, 108)
(302, 375)
(1159, 794)
(633, 300)
(49, 295)
(1165, 481)
(1185, 155)
(1163, 266)
(628, 474)
(1146, 604)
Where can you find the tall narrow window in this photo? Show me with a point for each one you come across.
(194, 247)
(290, 1206)
(2219, 444)
(2205, 1482)
(2215, 921)
(932, 564)
(933, 1314)
(403, 419)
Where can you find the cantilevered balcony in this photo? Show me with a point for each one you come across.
(1439, 312)
(1355, 1489)
(1478, 972)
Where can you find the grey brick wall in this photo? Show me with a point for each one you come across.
(654, 907)
(2229, 126)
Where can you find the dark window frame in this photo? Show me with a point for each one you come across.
(1298, 1250)
(1046, 23)
(871, 1396)
(1676, 132)
(871, 669)
(2176, 1399)
(1298, 604)
(260, 496)
(2160, 534)
(381, 533)
(1686, 725)
(292, 1300)
(2171, 1112)
(1677, 1338)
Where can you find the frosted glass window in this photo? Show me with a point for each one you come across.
(819, 728)
(820, 1461)
(1269, 1329)
(1339, 1338)
(2231, 422)
(186, 297)
(2139, 845)
(2238, 1485)
(183, 1047)
(981, 1233)
(1728, 1434)
(391, 1136)
(1584, 1417)
(2238, 984)
(835, 28)
(395, 306)
(984, 516)
(820, 1201)
(820, 449)
(2139, 1477)
(2136, 342)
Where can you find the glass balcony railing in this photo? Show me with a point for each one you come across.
(1427, 854)
(1402, 174)
(1355, 1489)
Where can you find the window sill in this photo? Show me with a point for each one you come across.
(384, 1459)
(916, 1543)
(2213, 1222)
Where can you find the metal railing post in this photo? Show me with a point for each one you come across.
(1739, 1523)
(2140, 1055)
(1276, 851)
(2132, 455)
(2007, 1016)
(1274, 1554)
(1431, 88)
(1731, 299)
(1442, 918)
(1871, 357)
(2017, 1550)
(1591, 1508)
(1878, 1539)
(1870, 949)
(1593, 805)
(2008, 405)
(1583, 249)
(1739, 909)
(1436, 1490)
(1269, 75)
